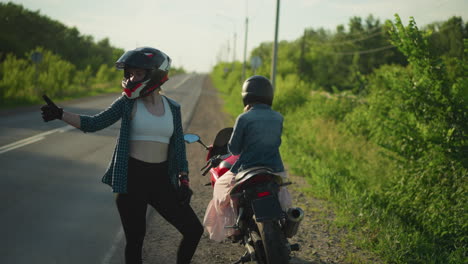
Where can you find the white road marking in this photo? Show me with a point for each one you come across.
(184, 80)
(33, 139)
(115, 244)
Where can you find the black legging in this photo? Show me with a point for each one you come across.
(148, 183)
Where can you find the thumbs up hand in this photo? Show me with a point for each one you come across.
(50, 111)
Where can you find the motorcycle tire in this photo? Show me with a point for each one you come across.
(257, 243)
(274, 242)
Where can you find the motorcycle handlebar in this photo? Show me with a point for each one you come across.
(207, 170)
(213, 162)
(206, 165)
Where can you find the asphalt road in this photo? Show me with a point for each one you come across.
(53, 206)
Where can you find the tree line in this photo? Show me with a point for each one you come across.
(22, 30)
(41, 55)
(337, 60)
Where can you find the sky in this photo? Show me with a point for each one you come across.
(198, 34)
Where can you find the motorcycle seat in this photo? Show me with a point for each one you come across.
(247, 174)
(250, 172)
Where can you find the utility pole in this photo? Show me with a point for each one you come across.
(228, 49)
(234, 49)
(301, 57)
(234, 41)
(245, 47)
(275, 48)
(36, 57)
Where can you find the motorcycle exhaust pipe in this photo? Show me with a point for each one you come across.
(294, 218)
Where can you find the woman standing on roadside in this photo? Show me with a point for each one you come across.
(149, 164)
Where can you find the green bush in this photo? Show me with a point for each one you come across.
(420, 116)
(23, 82)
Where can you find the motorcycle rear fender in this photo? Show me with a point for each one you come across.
(267, 208)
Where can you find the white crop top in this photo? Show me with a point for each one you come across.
(148, 127)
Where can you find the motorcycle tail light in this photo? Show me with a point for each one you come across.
(263, 194)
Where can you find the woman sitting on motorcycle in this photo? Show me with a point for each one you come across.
(256, 138)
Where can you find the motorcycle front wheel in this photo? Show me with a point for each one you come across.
(274, 242)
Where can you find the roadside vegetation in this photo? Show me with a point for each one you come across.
(381, 132)
(40, 55)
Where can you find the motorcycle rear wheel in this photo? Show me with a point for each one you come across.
(274, 242)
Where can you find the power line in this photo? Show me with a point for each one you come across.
(348, 41)
(440, 29)
(349, 34)
(364, 51)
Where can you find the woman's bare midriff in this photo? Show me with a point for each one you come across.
(149, 151)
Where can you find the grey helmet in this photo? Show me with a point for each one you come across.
(155, 62)
(257, 89)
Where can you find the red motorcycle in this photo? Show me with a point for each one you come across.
(263, 226)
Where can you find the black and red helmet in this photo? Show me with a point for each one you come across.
(155, 62)
(257, 89)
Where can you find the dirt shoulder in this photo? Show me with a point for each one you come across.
(321, 242)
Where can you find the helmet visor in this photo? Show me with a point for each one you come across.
(135, 59)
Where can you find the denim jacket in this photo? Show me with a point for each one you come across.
(121, 108)
(257, 138)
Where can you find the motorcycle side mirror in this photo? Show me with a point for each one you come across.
(192, 138)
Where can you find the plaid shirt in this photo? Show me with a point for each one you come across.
(116, 174)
